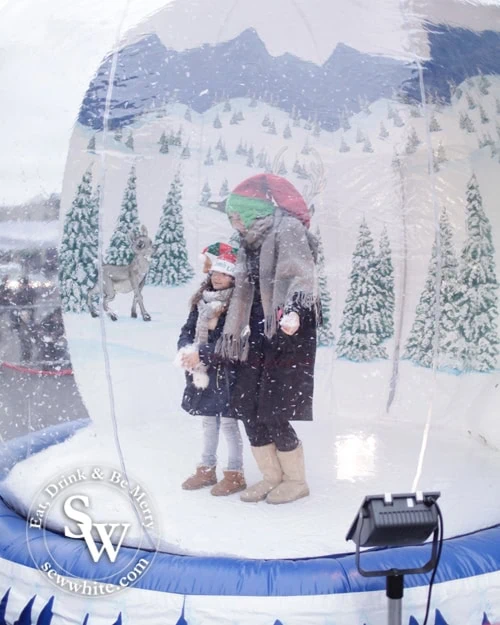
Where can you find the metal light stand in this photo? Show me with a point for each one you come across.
(394, 585)
(394, 577)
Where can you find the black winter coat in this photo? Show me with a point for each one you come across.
(276, 383)
(214, 400)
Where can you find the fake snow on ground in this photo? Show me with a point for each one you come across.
(352, 447)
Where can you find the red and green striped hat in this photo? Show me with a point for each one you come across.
(257, 197)
(216, 250)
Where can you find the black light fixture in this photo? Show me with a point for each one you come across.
(397, 520)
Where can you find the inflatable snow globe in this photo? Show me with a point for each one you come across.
(277, 290)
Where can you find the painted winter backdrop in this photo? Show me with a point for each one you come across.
(395, 220)
(455, 325)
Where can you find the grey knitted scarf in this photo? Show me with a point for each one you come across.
(211, 305)
(287, 275)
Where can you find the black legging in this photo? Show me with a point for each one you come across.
(282, 434)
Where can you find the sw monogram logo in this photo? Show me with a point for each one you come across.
(105, 531)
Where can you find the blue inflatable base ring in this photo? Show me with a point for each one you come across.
(462, 556)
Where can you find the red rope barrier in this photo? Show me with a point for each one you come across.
(21, 369)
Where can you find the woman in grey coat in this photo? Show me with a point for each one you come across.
(270, 329)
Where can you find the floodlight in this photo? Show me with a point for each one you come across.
(396, 520)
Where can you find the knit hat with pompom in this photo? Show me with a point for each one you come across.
(258, 196)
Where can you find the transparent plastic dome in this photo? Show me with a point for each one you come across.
(386, 122)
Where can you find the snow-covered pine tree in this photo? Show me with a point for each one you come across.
(170, 264)
(171, 139)
(308, 124)
(224, 189)
(91, 145)
(412, 142)
(209, 159)
(253, 103)
(385, 277)
(345, 124)
(282, 170)
(118, 136)
(187, 115)
(343, 146)
(296, 122)
(478, 341)
(364, 105)
(296, 166)
(162, 139)
(360, 137)
(186, 152)
(287, 133)
(223, 153)
(206, 194)
(217, 122)
(362, 327)
(219, 145)
(316, 130)
(471, 103)
(434, 124)
(178, 137)
(484, 84)
(119, 250)
(234, 119)
(466, 123)
(396, 120)
(441, 154)
(485, 140)
(483, 115)
(272, 128)
(227, 106)
(240, 150)
(383, 133)
(433, 333)
(396, 160)
(250, 157)
(266, 121)
(326, 337)
(130, 141)
(164, 149)
(240, 117)
(307, 148)
(435, 163)
(367, 146)
(78, 253)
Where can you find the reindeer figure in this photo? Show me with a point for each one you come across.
(126, 278)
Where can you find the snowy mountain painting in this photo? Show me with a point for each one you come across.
(407, 211)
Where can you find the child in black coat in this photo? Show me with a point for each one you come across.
(209, 380)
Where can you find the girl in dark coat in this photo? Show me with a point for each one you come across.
(209, 380)
(271, 329)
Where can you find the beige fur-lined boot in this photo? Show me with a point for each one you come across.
(270, 467)
(294, 485)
